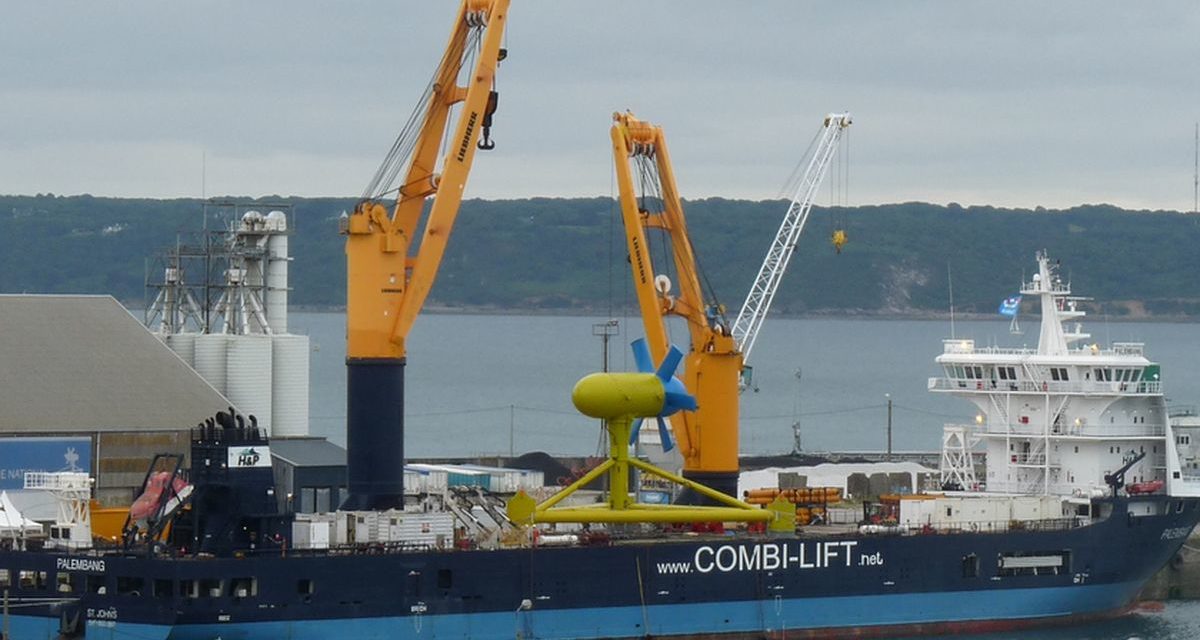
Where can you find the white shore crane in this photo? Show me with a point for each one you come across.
(770, 274)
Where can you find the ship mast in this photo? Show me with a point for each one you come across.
(1058, 307)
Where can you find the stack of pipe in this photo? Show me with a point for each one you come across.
(802, 495)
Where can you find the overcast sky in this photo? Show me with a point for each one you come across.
(1003, 103)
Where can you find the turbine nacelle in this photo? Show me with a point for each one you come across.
(650, 393)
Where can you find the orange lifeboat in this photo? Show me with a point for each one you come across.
(147, 504)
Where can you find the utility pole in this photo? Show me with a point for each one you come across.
(605, 330)
(1196, 173)
(796, 448)
(512, 428)
(889, 426)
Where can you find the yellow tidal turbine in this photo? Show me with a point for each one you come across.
(621, 399)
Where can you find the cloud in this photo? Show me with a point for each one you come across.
(1016, 104)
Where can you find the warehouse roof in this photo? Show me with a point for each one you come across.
(308, 452)
(84, 363)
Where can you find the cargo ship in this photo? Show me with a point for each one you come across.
(1089, 490)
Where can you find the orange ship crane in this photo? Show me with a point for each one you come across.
(390, 271)
(715, 364)
(708, 436)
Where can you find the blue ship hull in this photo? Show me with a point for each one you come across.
(735, 586)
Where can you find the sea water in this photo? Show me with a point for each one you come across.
(1176, 620)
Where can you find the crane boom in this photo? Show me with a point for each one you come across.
(388, 272)
(708, 435)
(758, 301)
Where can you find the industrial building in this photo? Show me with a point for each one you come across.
(310, 474)
(84, 386)
(222, 306)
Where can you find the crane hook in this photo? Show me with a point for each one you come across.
(485, 142)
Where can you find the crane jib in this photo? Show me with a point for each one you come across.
(637, 255)
(466, 139)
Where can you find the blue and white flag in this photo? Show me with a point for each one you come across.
(1010, 306)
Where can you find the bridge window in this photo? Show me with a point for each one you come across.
(210, 588)
(33, 579)
(1037, 563)
(66, 582)
(970, 566)
(164, 588)
(243, 587)
(130, 586)
(95, 584)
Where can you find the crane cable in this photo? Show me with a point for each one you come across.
(400, 153)
(837, 215)
(651, 183)
(792, 183)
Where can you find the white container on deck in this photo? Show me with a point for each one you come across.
(427, 478)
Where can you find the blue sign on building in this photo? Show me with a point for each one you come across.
(19, 455)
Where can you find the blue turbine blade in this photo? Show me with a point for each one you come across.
(669, 363)
(633, 433)
(641, 356)
(664, 434)
(681, 401)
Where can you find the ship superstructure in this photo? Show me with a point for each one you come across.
(1057, 419)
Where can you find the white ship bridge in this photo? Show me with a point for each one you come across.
(1058, 418)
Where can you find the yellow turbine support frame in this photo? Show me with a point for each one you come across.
(635, 392)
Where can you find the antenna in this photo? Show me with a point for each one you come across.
(950, 284)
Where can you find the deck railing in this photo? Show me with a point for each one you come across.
(997, 526)
(1086, 387)
(951, 346)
